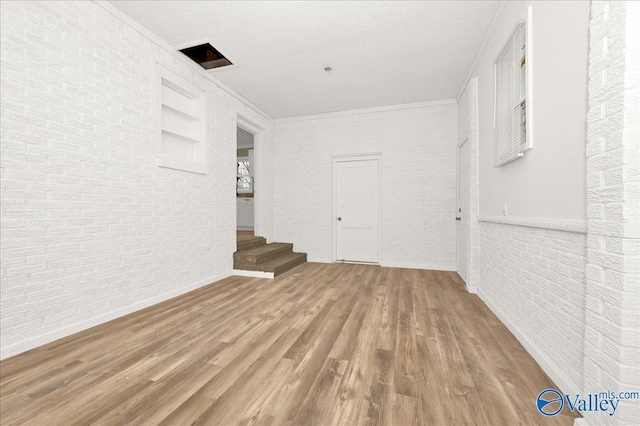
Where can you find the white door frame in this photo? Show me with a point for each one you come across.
(347, 158)
(258, 140)
(458, 202)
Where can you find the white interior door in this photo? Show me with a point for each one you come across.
(463, 209)
(357, 212)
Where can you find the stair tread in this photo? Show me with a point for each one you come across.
(264, 249)
(246, 243)
(261, 253)
(278, 264)
(249, 238)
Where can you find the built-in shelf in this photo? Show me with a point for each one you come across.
(180, 112)
(182, 137)
(182, 130)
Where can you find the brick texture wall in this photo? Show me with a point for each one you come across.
(91, 227)
(533, 279)
(418, 147)
(612, 322)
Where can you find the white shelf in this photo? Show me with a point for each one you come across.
(180, 112)
(181, 144)
(179, 136)
(184, 165)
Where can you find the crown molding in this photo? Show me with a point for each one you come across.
(107, 6)
(483, 47)
(366, 110)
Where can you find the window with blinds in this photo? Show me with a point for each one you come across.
(511, 90)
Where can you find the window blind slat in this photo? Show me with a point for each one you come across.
(508, 136)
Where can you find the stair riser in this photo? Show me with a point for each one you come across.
(289, 265)
(279, 268)
(262, 257)
(246, 245)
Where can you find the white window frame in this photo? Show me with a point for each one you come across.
(500, 145)
(250, 175)
(197, 95)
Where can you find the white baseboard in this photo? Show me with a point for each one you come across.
(564, 383)
(447, 268)
(252, 274)
(319, 260)
(473, 289)
(51, 336)
(392, 265)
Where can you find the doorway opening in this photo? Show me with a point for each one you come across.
(245, 206)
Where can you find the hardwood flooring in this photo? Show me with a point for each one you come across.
(322, 344)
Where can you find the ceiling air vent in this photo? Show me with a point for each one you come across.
(207, 56)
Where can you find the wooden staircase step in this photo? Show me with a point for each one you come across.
(262, 253)
(247, 243)
(278, 265)
(254, 254)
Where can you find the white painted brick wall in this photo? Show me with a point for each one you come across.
(91, 228)
(534, 279)
(418, 147)
(612, 329)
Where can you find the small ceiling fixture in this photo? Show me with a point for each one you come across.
(328, 69)
(207, 56)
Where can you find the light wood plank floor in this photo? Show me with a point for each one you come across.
(322, 344)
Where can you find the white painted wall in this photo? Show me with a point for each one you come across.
(549, 181)
(418, 180)
(531, 266)
(91, 228)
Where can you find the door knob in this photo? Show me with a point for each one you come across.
(339, 218)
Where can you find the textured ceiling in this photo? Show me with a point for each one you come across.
(382, 53)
